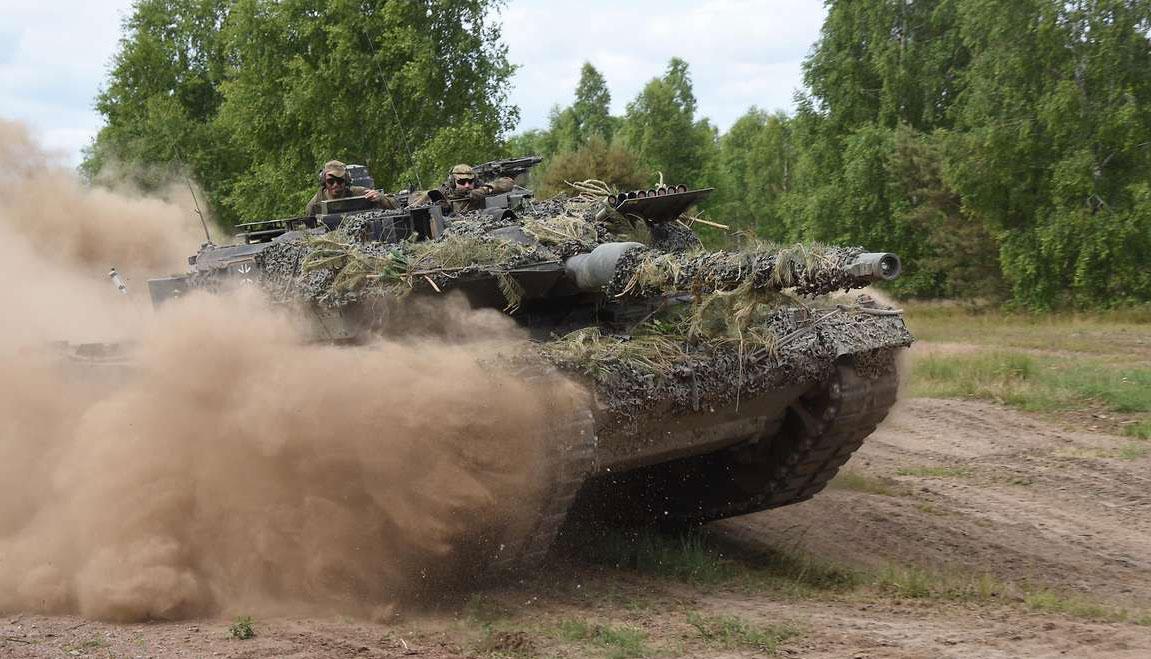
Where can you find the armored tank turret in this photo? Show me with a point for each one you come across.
(722, 382)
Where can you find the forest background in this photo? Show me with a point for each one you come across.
(1001, 147)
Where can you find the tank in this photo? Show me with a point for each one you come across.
(721, 382)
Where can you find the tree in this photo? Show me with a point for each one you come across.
(592, 107)
(255, 95)
(570, 128)
(756, 164)
(950, 129)
(661, 128)
(163, 94)
(363, 83)
(887, 62)
(597, 159)
(1051, 144)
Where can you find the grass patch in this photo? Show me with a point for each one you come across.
(1080, 453)
(619, 642)
(1133, 451)
(918, 583)
(797, 575)
(1048, 601)
(84, 647)
(1139, 430)
(242, 628)
(691, 558)
(483, 610)
(1114, 332)
(857, 482)
(684, 557)
(733, 633)
(1032, 382)
(934, 472)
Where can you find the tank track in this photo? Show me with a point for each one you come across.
(572, 447)
(789, 462)
(819, 435)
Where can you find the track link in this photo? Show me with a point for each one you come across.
(791, 460)
(571, 457)
(819, 436)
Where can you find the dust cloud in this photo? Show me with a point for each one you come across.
(230, 465)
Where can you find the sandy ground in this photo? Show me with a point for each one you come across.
(1022, 500)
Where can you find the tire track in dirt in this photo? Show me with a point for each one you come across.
(929, 630)
(1034, 504)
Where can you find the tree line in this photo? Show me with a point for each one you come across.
(1001, 147)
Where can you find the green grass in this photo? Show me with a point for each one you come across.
(1133, 451)
(619, 642)
(934, 472)
(84, 647)
(241, 628)
(918, 583)
(1050, 602)
(734, 633)
(857, 482)
(483, 610)
(692, 558)
(1105, 333)
(683, 557)
(1139, 430)
(1033, 382)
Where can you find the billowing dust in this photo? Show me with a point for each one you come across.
(232, 466)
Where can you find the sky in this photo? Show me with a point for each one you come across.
(55, 57)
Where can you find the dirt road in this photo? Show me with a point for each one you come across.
(955, 488)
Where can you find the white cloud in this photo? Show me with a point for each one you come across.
(741, 52)
(54, 57)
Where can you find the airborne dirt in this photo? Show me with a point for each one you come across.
(229, 464)
(1012, 497)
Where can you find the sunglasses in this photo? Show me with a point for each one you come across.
(332, 180)
(465, 181)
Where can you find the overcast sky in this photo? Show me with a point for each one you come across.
(54, 56)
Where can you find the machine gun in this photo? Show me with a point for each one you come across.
(510, 167)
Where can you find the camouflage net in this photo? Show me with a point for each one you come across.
(692, 366)
(723, 325)
(338, 268)
(810, 269)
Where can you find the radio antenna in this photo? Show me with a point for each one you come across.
(188, 182)
(200, 213)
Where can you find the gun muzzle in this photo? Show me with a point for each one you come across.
(879, 266)
(594, 270)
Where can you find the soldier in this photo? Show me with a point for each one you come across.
(334, 185)
(461, 191)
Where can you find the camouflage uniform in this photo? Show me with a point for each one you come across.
(339, 169)
(463, 199)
